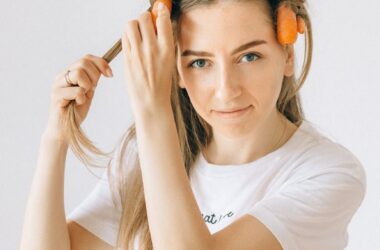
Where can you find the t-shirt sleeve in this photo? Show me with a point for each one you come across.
(98, 213)
(314, 211)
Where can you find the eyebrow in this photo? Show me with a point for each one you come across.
(240, 48)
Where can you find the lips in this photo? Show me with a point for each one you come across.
(232, 110)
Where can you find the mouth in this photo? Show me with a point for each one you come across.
(231, 111)
(237, 112)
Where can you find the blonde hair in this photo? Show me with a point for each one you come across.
(194, 133)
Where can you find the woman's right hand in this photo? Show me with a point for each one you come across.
(85, 74)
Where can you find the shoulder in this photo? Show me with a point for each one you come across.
(319, 154)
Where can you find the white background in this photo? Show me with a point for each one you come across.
(39, 38)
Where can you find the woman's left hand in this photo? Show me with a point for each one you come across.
(149, 61)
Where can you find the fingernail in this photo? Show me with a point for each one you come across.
(109, 73)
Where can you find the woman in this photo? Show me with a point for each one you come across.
(220, 155)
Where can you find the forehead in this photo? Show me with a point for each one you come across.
(225, 22)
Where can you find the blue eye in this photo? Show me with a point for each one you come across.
(251, 55)
(191, 65)
(201, 62)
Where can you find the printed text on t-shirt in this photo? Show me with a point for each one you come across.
(213, 219)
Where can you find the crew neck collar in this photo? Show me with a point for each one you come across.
(221, 170)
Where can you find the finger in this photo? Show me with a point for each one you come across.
(148, 35)
(89, 63)
(62, 82)
(88, 99)
(101, 64)
(134, 37)
(78, 77)
(164, 27)
(90, 94)
(63, 96)
(125, 43)
(91, 69)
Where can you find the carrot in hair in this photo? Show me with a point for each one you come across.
(300, 25)
(167, 3)
(286, 25)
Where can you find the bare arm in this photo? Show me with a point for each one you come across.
(45, 224)
(81, 239)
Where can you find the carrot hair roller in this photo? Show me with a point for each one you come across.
(300, 25)
(117, 47)
(288, 25)
(167, 3)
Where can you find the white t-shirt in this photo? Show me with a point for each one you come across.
(306, 193)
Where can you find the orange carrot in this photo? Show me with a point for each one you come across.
(300, 25)
(168, 4)
(286, 25)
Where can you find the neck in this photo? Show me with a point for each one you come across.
(257, 142)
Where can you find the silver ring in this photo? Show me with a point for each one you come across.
(68, 81)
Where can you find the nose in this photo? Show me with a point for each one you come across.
(228, 86)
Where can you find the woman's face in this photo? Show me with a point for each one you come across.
(220, 77)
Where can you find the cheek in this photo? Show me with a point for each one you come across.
(263, 82)
(201, 78)
(271, 88)
(261, 77)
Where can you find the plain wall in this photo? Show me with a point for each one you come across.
(41, 38)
